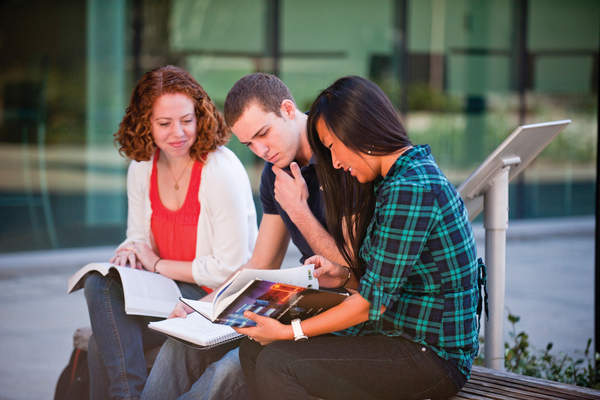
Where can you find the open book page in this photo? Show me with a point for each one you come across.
(204, 308)
(277, 300)
(302, 275)
(145, 293)
(195, 329)
(299, 276)
(76, 280)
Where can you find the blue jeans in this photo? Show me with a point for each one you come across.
(116, 350)
(183, 372)
(347, 367)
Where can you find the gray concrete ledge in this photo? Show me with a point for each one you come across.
(15, 264)
(539, 229)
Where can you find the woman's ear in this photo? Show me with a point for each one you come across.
(288, 109)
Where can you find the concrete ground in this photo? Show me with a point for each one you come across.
(550, 285)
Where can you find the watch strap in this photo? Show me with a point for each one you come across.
(298, 332)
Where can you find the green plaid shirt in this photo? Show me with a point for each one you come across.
(421, 262)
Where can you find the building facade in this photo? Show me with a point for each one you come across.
(462, 73)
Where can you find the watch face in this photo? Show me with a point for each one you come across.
(301, 339)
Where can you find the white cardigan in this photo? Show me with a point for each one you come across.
(227, 223)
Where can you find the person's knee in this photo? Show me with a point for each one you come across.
(248, 352)
(170, 351)
(224, 378)
(228, 366)
(272, 359)
(95, 285)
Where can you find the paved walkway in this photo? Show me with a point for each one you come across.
(550, 279)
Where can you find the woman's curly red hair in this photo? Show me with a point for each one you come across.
(134, 136)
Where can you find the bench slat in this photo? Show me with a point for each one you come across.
(570, 391)
(471, 395)
(515, 391)
(487, 383)
(473, 392)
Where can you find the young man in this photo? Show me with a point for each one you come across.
(262, 114)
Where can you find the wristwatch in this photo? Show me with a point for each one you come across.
(298, 333)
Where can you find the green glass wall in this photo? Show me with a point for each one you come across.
(463, 74)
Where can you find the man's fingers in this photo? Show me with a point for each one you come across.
(277, 171)
(180, 310)
(281, 174)
(296, 173)
(178, 313)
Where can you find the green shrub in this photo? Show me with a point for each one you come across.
(522, 358)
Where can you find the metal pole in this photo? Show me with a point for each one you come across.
(597, 235)
(496, 223)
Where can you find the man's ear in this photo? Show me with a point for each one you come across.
(288, 108)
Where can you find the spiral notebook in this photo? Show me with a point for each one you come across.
(195, 330)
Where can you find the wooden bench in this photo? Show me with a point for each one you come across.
(485, 383)
(488, 383)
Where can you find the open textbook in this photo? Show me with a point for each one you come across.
(145, 293)
(200, 332)
(282, 297)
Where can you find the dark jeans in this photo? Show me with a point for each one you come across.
(347, 367)
(116, 349)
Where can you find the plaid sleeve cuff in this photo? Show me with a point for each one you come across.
(373, 291)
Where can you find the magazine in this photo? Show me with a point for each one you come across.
(280, 300)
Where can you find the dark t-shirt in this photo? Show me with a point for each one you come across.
(315, 203)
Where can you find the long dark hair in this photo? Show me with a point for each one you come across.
(358, 112)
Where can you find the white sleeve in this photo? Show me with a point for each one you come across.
(226, 200)
(136, 202)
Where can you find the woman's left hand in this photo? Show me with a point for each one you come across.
(145, 255)
(267, 329)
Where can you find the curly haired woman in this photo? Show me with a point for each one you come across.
(191, 218)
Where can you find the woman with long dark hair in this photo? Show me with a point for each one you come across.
(410, 331)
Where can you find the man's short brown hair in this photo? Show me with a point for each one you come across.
(265, 89)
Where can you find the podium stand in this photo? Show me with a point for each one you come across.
(487, 189)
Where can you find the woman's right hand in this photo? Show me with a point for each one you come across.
(181, 310)
(126, 255)
(329, 273)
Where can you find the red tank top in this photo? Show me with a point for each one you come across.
(175, 231)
